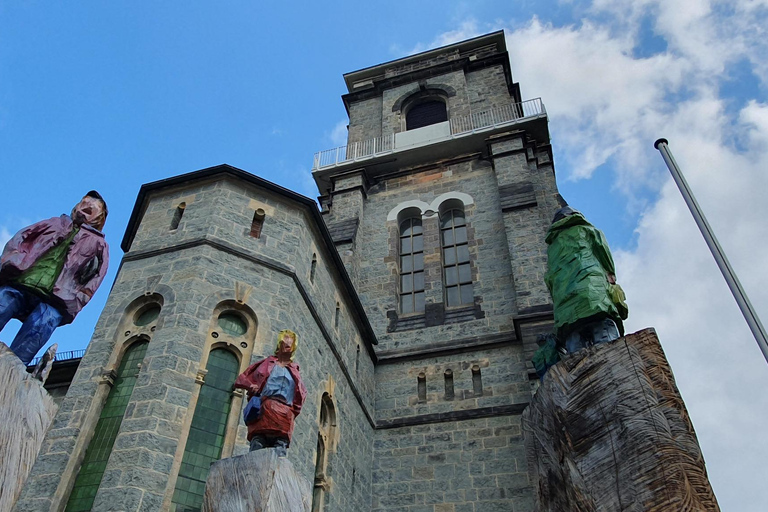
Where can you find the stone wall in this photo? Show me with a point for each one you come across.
(487, 89)
(475, 465)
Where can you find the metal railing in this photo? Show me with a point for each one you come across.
(62, 356)
(460, 126)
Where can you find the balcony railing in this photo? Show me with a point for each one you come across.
(460, 126)
(62, 356)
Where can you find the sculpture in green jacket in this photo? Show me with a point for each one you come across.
(581, 276)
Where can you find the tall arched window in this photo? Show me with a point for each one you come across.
(97, 454)
(457, 273)
(411, 266)
(426, 112)
(325, 436)
(206, 434)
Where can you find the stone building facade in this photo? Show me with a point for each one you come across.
(416, 290)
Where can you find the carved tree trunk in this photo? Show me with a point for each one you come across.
(608, 430)
(259, 481)
(26, 412)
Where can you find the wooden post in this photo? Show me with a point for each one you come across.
(259, 481)
(27, 411)
(608, 430)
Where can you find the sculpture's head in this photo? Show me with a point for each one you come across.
(91, 210)
(564, 212)
(287, 341)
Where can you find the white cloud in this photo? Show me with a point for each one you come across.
(338, 135)
(606, 107)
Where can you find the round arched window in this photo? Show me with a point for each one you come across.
(147, 315)
(232, 323)
(425, 113)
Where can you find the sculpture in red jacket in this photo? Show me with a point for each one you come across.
(277, 381)
(50, 270)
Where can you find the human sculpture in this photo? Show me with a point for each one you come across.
(588, 303)
(275, 396)
(581, 277)
(50, 270)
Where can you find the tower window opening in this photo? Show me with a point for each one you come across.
(448, 384)
(336, 316)
(426, 112)
(457, 272)
(257, 223)
(357, 360)
(313, 269)
(422, 387)
(477, 381)
(177, 215)
(411, 266)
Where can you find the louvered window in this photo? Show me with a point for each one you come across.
(425, 114)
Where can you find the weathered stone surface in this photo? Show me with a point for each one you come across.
(259, 481)
(26, 410)
(608, 430)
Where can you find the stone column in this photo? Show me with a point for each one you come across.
(346, 215)
(259, 481)
(27, 411)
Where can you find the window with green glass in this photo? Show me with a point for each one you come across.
(148, 315)
(97, 454)
(232, 323)
(206, 434)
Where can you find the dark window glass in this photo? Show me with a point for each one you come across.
(411, 266)
(233, 324)
(206, 434)
(97, 454)
(147, 316)
(457, 272)
(425, 113)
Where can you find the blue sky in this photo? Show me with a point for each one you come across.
(110, 95)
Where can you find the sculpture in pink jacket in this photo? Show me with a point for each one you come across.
(50, 270)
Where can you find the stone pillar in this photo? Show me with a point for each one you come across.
(259, 481)
(346, 215)
(27, 411)
(608, 430)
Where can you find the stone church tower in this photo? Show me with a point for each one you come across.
(417, 293)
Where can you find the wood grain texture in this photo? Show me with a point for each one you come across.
(608, 430)
(259, 481)
(26, 412)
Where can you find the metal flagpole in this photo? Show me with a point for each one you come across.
(730, 276)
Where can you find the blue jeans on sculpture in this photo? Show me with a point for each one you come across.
(42, 320)
(590, 334)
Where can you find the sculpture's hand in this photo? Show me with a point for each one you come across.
(611, 278)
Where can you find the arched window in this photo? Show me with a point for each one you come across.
(177, 215)
(428, 111)
(325, 435)
(206, 434)
(97, 454)
(257, 223)
(457, 273)
(411, 266)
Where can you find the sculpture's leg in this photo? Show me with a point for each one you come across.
(258, 442)
(11, 304)
(281, 447)
(574, 342)
(604, 331)
(35, 331)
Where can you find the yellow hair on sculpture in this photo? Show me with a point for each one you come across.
(281, 335)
